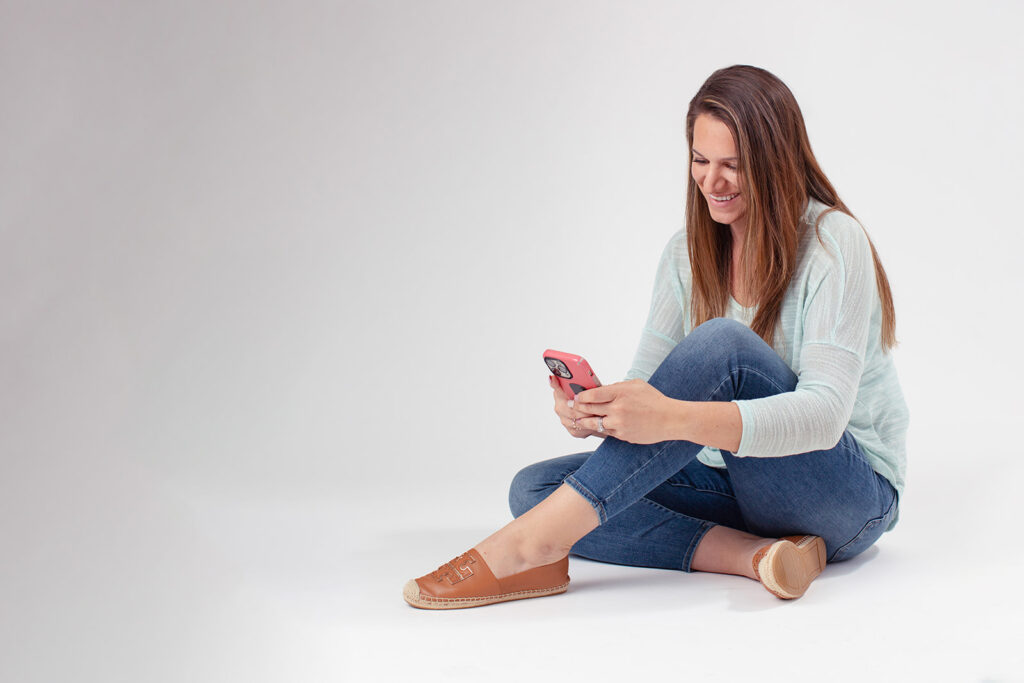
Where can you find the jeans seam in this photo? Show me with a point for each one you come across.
(870, 524)
(594, 501)
(638, 470)
(728, 377)
(700, 490)
(724, 380)
(694, 542)
(600, 504)
(691, 548)
(768, 378)
(848, 449)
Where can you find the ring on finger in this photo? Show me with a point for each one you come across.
(574, 425)
(600, 424)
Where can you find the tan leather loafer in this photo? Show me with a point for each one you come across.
(467, 581)
(787, 566)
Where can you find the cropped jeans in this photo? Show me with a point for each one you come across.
(656, 501)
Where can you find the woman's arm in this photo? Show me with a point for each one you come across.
(835, 322)
(635, 411)
(709, 423)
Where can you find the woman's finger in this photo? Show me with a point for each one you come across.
(553, 383)
(563, 409)
(576, 429)
(571, 412)
(596, 424)
(590, 409)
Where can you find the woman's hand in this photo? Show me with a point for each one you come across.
(632, 411)
(566, 414)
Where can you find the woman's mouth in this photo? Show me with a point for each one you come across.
(722, 200)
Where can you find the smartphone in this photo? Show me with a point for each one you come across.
(572, 372)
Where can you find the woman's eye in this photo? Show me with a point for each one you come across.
(700, 161)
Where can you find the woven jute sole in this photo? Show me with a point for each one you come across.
(411, 593)
(788, 568)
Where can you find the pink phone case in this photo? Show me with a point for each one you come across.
(572, 372)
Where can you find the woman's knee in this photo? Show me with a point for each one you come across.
(720, 326)
(716, 349)
(724, 334)
(715, 338)
(710, 353)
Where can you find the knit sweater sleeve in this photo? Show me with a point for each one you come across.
(664, 326)
(833, 324)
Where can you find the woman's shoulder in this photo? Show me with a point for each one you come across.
(676, 250)
(674, 264)
(833, 233)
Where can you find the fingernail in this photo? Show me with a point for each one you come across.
(570, 402)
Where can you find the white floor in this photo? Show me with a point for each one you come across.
(125, 580)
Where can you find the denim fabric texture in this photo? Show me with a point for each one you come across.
(656, 501)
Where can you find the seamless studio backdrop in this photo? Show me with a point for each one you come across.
(276, 279)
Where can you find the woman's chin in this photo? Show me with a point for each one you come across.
(722, 217)
(726, 217)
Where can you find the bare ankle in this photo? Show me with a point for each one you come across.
(512, 550)
(751, 551)
(728, 551)
(542, 535)
(537, 553)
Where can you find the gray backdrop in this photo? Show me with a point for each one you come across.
(311, 252)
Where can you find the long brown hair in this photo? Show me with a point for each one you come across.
(778, 175)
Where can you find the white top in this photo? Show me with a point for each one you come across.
(829, 333)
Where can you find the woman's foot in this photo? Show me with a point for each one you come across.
(724, 550)
(526, 558)
(467, 581)
(541, 535)
(513, 550)
(787, 566)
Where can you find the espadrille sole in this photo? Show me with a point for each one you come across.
(788, 568)
(412, 595)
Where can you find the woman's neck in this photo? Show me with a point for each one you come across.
(739, 231)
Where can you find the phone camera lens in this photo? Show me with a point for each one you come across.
(558, 367)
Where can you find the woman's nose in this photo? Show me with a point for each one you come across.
(712, 179)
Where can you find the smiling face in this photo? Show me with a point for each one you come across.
(715, 169)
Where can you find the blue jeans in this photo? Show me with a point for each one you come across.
(656, 501)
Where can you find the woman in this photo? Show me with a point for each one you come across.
(761, 430)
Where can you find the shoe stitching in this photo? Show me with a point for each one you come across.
(429, 598)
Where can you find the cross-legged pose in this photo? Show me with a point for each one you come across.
(761, 429)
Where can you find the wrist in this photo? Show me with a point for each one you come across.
(678, 421)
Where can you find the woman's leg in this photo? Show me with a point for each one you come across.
(660, 530)
(833, 493)
(721, 360)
